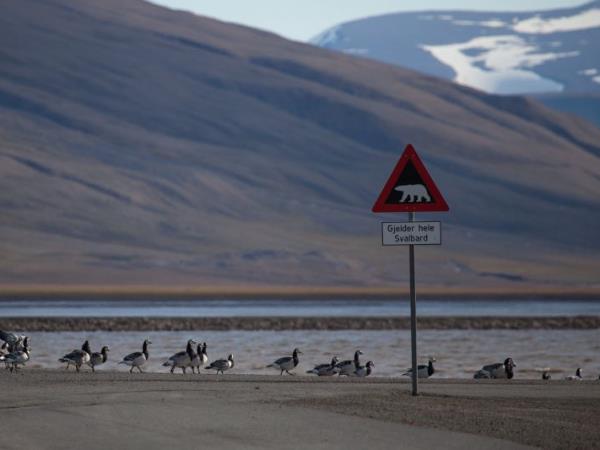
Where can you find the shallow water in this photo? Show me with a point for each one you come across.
(293, 307)
(459, 353)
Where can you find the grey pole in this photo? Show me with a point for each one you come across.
(413, 313)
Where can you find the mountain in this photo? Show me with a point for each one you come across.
(140, 145)
(554, 55)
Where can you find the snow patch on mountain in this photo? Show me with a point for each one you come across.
(538, 25)
(356, 51)
(498, 64)
(330, 36)
(592, 73)
(492, 23)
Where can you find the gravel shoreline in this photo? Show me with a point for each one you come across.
(293, 323)
(151, 411)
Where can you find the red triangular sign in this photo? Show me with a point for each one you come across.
(410, 188)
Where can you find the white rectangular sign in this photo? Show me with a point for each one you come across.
(411, 233)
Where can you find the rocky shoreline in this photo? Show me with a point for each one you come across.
(53, 324)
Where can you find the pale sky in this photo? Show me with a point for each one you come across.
(303, 19)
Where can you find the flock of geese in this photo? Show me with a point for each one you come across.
(15, 353)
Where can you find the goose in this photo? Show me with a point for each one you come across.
(222, 364)
(98, 358)
(64, 359)
(4, 350)
(16, 358)
(546, 375)
(287, 363)
(78, 357)
(137, 359)
(423, 370)
(576, 377)
(9, 338)
(349, 366)
(325, 370)
(363, 371)
(498, 370)
(201, 357)
(21, 344)
(182, 359)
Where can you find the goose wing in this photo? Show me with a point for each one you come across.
(133, 356)
(493, 367)
(280, 361)
(482, 374)
(11, 338)
(420, 367)
(178, 355)
(68, 356)
(75, 354)
(321, 367)
(219, 364)
(346, 362)
(18, 357)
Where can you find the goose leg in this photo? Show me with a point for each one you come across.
(183, 368)
(281, 373)
(131, 370)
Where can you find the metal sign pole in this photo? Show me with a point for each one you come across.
(410, 188)
(413, 313)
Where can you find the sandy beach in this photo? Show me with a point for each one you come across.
(55, 409)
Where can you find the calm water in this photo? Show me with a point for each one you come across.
(288, 307)
(458, 353)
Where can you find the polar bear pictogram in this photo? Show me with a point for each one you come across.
(413, 193)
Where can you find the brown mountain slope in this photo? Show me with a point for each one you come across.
(144, 146)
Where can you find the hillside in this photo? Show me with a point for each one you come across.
(553, 55)
(140, 145)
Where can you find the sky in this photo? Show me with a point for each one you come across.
(303, 19)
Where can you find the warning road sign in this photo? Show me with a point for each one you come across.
(410, 188)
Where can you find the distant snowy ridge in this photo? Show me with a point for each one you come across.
(503, 53)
